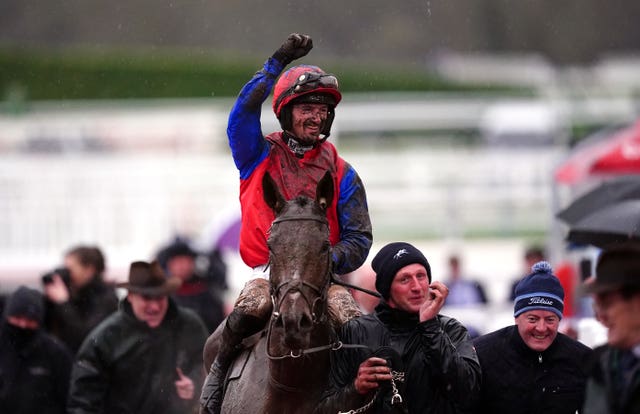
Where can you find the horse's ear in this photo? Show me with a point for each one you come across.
(324, 191)
(271, 194)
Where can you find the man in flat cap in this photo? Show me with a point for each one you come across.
(614, 384)
(411, 359)
(146, 357)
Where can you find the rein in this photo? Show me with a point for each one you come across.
(349, 285)
(333, 346)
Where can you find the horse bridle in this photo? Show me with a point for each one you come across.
(296, 285)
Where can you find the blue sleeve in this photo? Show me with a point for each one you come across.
(355, 225)
(248, 146)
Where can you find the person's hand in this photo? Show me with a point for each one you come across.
(295, 47)
(184, 386)
(371, 372)
(436, 297)
(56, 291)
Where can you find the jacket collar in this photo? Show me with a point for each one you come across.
(396, 319)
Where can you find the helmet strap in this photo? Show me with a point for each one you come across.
(326, 130)
(286, 118)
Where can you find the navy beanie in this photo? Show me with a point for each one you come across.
(390, 259)
(539, 290)
(26, 302)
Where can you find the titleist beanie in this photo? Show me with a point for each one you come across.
(539, 290)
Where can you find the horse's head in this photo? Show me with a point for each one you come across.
(299, 260)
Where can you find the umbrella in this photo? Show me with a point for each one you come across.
(611, 224)
(607, 193)
(606, 153)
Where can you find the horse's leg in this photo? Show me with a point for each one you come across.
(250, 313)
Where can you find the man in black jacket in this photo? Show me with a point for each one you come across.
(614, 384)
(530, 368)
(146, 357)
(411, 359)
(34, 366)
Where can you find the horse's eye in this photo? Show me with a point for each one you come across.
(326, 246)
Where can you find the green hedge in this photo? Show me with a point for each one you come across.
(117, 74)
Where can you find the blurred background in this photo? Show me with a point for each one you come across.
(471, 124)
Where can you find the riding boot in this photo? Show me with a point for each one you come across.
(237, 327)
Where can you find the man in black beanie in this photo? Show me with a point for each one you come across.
(530, 367)
(410, 359)
(34, 366)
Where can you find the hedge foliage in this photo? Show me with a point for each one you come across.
(121, 74)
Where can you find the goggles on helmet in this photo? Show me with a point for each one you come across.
(312, 80)
(309, 81)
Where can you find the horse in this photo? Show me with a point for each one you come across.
(288, 368)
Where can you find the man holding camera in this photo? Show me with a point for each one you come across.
(78, 299)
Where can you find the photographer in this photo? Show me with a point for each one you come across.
(77, 297)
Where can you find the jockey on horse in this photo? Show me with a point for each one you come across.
(296, 158)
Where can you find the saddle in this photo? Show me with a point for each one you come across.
(238, 365)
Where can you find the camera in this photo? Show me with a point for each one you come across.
(63, 272)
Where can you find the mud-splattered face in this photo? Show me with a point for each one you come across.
(308, 120)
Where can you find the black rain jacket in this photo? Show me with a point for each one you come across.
(442, 372)
(124, 366)
(34, 371)
(517, 379)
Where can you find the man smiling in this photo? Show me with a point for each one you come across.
(529, 367)
(408, 358)
(146, 357)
